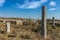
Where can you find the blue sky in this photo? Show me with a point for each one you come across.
(29, 8)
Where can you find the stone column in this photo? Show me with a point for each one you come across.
(53, 22)
(4, 21)
(43, 23)
(8, 26)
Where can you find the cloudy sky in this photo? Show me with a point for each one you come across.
(29, 8)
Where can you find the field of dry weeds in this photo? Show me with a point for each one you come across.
(28, 32)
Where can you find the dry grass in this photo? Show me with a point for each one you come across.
(19, 32)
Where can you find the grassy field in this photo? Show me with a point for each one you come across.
(28, 32)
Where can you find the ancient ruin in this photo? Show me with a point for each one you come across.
(43, 23)
(53, 22)
(29, 29)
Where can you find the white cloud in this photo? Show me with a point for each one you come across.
(52, 3)
(32, 4)
(2, 2)
(52, 9)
